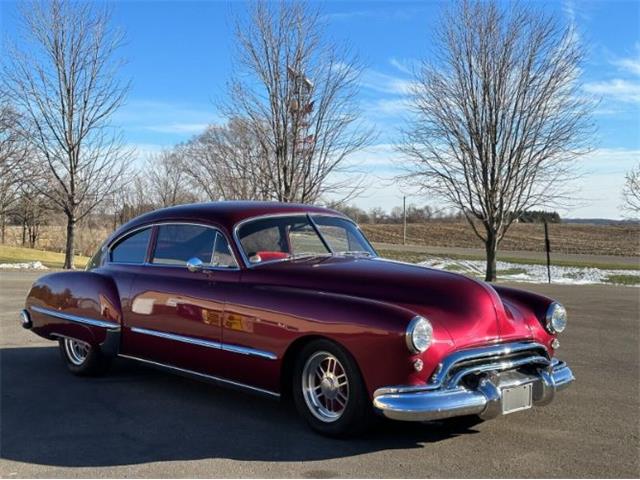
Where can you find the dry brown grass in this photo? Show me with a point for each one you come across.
(565, 238)
(52, 238)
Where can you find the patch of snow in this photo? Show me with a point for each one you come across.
(23, 266)
(529, 273)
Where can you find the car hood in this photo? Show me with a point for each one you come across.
(470, 311)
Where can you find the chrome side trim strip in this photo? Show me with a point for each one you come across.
(205, 376)
(207, 343)
(76, 318)
(178, 338)
(249, 351)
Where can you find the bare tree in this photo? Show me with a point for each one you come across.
(295, 93)
(130, 199)
(499, 118)
(63, 78)
(13, 153)
(631, 191)
(227, 162)
(166, 180)
(31, 212)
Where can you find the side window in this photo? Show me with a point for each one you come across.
(222, 256)
(178, 243)
(133, 249)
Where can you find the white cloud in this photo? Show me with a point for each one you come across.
(392, 92)
(397, 14)
(385, 110)
(403, 65)
(597, 194)
(624, 88)
(610, 161)
(617, 89)
(385, 83)
(166, 117)
(382, 155)
(631, 65)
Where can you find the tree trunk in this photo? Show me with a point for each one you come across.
(3, 227)
(491, 246)
(68, 252)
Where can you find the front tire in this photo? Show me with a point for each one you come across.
(329, 392)
(82, 358)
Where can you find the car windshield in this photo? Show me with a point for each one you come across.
(296, 236)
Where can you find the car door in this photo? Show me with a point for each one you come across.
(176, 313)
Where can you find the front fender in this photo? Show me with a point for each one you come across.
(273, 318)
(532, 307)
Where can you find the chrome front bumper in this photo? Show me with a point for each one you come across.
(450, 395)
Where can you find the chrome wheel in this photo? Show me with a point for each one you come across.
(325, 386)
(77, 351)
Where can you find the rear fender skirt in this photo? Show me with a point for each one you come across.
(84, 305)
(83, 328)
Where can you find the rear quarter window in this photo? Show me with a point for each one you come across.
(132, 249)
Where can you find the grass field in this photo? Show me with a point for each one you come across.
(49, 259)
(623, 279)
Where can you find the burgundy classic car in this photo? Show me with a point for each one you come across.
(284, 299)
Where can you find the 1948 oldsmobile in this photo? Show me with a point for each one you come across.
(284, 299)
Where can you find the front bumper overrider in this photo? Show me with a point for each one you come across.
(471, 382)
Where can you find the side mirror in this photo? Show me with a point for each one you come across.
(195, 264)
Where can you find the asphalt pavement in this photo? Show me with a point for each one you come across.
(140, 422)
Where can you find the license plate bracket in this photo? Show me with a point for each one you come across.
(517, 398)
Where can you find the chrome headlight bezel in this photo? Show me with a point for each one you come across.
(556, 318)
(419, 335)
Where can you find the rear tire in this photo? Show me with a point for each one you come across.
(329, 392)
(82, 358)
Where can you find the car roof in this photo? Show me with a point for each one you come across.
(223, 213)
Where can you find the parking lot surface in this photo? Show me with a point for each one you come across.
(138, 422)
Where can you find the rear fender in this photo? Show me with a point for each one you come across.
(80, 305)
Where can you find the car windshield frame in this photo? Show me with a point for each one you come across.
(310, 218)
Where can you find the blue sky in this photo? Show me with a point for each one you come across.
(179, 58)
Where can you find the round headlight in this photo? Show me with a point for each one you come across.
(419, 334)
(556, 318)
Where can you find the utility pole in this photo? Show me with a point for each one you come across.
(404, 219)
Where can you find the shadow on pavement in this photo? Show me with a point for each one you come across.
(136, 415)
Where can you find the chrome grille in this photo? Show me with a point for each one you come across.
(494, 358)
